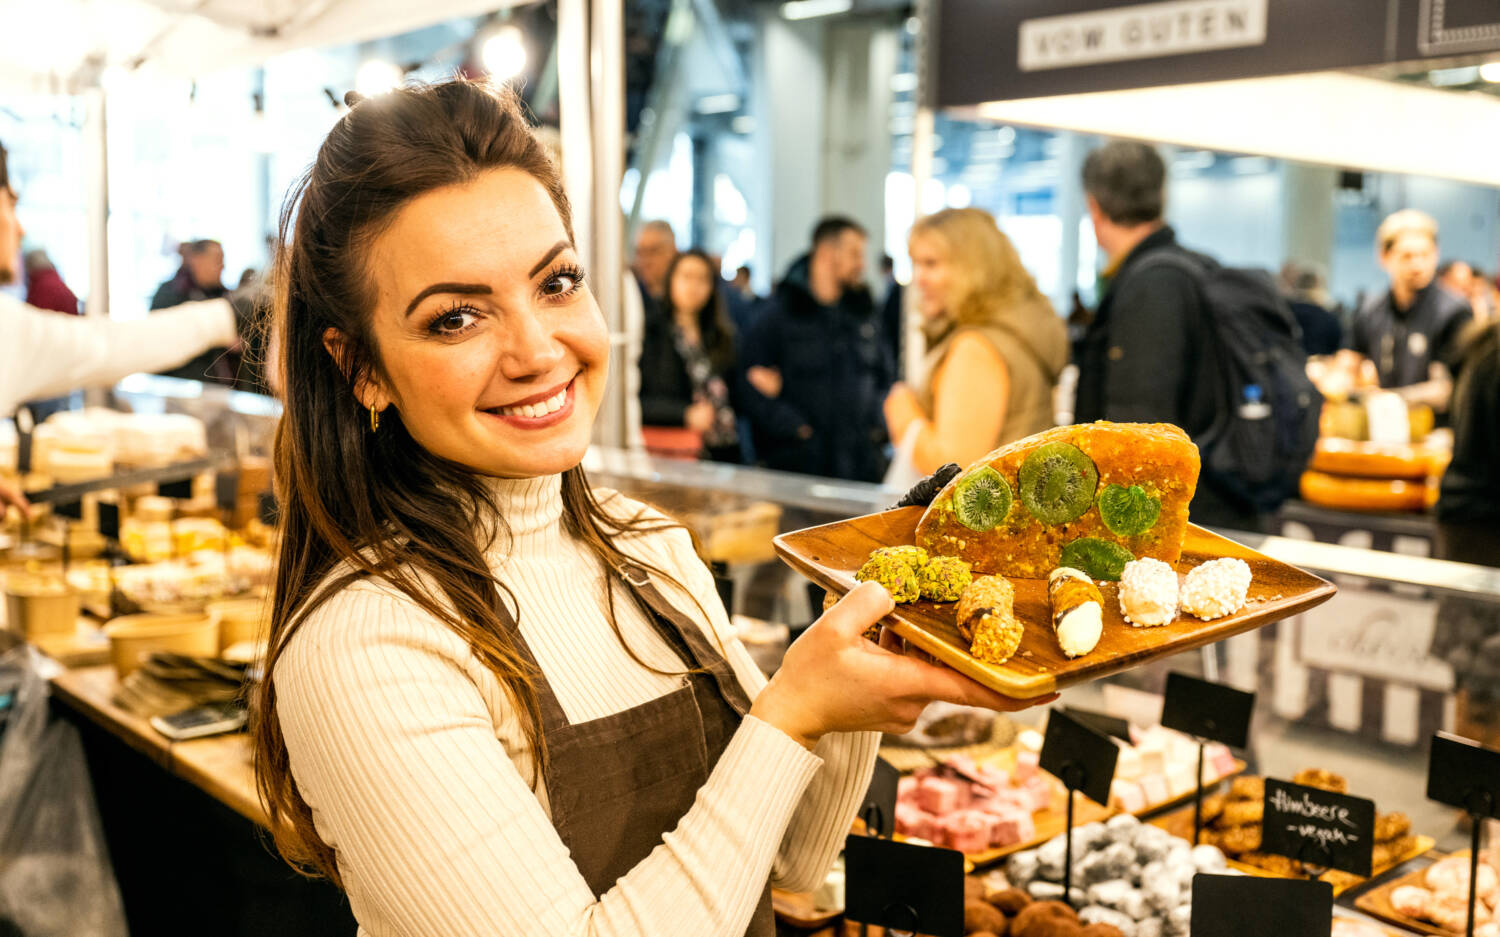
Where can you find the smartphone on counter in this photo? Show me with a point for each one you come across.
(201, 721)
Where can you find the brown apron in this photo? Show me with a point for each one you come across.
(618, 784)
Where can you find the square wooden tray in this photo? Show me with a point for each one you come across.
(830, 554)
(1377, 903)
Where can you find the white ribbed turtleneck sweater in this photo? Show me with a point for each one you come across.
(415, 764)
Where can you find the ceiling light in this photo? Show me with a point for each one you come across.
(377, 76)
(504, 53)
(808, 9)
(718, 103)
(1490, 71)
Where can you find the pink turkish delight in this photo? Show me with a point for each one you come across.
(966, 831)
(1026, 766)
(940, 795)
(1011, 827)
(912, 820)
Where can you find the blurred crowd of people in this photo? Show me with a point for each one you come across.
(807, 379)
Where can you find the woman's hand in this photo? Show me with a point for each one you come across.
(699, 417)
(901, 409)
(765, 380)
(11, 495)
(834, 680)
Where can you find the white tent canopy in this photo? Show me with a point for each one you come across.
(63, 46)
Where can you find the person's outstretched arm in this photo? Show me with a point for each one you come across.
(44, 354)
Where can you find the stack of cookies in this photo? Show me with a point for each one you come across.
(1233, 822)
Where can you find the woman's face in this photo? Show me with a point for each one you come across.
(692, 284)
(494, 352)
(931, 273)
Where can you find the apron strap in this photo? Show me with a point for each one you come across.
(552, 713)
(684, 632)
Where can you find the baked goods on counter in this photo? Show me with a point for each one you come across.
(1090, 496)
(1127, 875)
(1233, 823)
(1362, 494)
(1442, 898)
(971, 807)
(1158, 766)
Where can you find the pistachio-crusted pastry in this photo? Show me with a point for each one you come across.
(898, 578)
(943, 578)
(912, 556)
(987, 619)
(1077, 610)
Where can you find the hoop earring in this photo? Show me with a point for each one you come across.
(374, 420)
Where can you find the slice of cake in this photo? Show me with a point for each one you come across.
(1092, 496)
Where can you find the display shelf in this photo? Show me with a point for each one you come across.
(177, 471)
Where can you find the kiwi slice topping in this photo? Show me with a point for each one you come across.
(1058, 482)
(982, 498)
(1101, 559)
(1128, 511)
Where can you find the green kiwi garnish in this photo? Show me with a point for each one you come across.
(1058, 482)
(981, 499)
(1128, 511)
(1101, 559)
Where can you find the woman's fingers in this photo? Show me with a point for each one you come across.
(853, 615)
(914, 679)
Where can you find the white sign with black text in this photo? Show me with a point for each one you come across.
(1146, 30)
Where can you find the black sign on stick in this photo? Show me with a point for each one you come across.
(227, 490)
(1464, 774)
(72, 509)
(1081, 758)
(879, 810)
(1210, 711)
(1318, 828)
(1103, 723)
(109, 520)
(183, 488)
(904, 887)
(1247, 906)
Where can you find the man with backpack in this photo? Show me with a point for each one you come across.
(1179, 339)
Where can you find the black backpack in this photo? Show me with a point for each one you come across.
(1266, 422)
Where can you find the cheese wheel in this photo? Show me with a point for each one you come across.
(1370, 460)
(1363, 494)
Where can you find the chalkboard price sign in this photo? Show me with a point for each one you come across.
(903, 886)
(1318, 828)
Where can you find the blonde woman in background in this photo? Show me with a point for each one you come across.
(995, 347)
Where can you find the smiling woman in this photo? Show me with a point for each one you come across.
(496, 700)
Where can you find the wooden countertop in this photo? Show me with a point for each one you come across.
(220, 766)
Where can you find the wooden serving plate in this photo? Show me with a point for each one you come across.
(830, 554)
(1180, 823)
(1377, 903)
(798, 910)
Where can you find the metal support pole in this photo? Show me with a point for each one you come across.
(913, 348)
(96, 170)
(574, 123)
(607, 70)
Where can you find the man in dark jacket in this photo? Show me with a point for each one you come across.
(817, 364)
(1413, 331)
(199, 278)
(1149, 355)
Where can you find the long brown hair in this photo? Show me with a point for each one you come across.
(358, 503)
(715, 330)
(988, 276)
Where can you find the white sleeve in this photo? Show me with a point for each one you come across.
(43, 354)
(828, 807)
(436, 832)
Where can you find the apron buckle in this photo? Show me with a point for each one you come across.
(633, 575)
